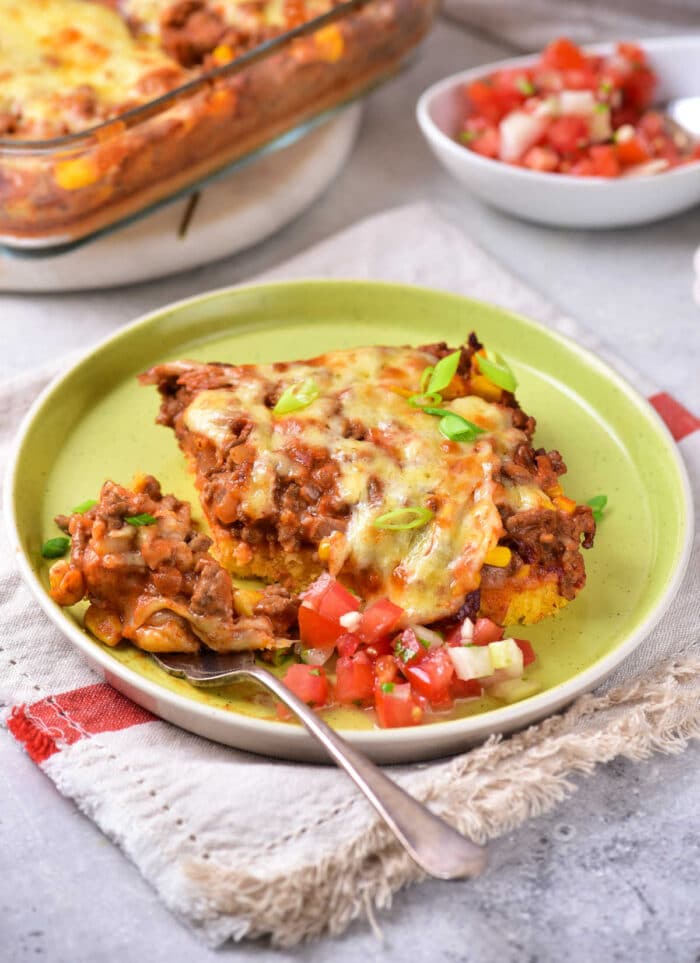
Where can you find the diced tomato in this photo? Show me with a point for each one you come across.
(488, 101)
(330, 598)
(567, 134)
(431, 677)
(347, 644)
(454, 636)
(385, 646)
(397, 706)
(639, 87)
(315, 592)
(528, 652)
(605, 163)
(583, 168)
(488, 144)
(652, 125)
(385, 669)
(378, 620)
(578, 79)
(354, 679)
(541, 159)
(465, 688)
(316, 631)
(632, 151)
(407, 649)
(308, 682)
(563, 54)
(486, 631)
(337, 601)
(632, 52)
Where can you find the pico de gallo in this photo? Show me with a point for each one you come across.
(576, 113)
(362, 656)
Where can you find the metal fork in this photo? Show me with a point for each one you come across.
(434, 845)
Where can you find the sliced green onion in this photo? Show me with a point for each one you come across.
(437, 412)
(401, 519)
(316, 672)
(387, 686)
(456, 428)
(606, 86)
(296, 397)
(138, 521)
(84, 506)
(525, 86)
(497, 371)
(601, 108)
(598, 503)
(423, 401)
(403, 653)
(467, 136)
(425, 378)
(55, 547)
(444, 372)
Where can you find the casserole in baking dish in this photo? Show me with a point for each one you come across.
(107, 108)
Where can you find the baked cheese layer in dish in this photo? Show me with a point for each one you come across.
(66, 65)
(340, 464)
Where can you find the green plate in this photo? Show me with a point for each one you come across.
(96, 423)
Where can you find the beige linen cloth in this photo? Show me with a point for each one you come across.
(530, 24)
(240, 846)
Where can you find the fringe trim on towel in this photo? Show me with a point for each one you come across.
(484, 793)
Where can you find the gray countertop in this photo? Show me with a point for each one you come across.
(611, 874)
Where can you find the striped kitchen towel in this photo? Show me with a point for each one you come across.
(202, 822)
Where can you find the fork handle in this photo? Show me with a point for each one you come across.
(434, 845)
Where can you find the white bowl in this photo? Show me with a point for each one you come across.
(559, 199)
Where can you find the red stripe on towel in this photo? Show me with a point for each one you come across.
(679, 421)
(45, 726)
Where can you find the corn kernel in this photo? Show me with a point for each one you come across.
(402, 392)
(565, 504)
(71, 175)
(104, 625)
(330, 43)
(324, 549)
(485, 389)
(222, 54)
(245, 600)
(499, 556)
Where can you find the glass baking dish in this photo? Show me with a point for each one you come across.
(56, 194)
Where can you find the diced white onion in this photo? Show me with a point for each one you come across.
(506, 657)
(577, 103)
(600, 127)
(466, 631)
(519, 131)
(433, 639)
(624, 133)
(350, 620)
(548, 107)
(471, 663)
(316, 656)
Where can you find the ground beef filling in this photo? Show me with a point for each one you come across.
(149, 578)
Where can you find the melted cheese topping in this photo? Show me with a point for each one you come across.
(49, 48)
(403, 460)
